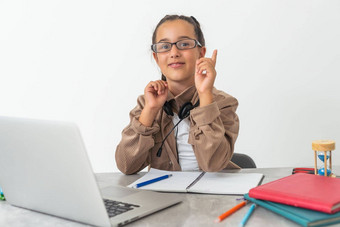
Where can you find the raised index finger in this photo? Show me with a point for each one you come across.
(214, 56)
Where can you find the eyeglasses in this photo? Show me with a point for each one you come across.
(183, 44)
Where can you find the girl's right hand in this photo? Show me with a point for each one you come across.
(156, 93)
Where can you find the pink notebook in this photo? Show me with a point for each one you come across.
(308, 191)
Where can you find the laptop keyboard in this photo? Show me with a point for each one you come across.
(114, 208)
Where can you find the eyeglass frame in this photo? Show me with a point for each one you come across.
(197, 43)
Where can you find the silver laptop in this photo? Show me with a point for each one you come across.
(44, 167)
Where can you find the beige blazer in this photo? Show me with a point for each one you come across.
(213, 132)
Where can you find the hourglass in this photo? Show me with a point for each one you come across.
(2, 197)
(323, 152)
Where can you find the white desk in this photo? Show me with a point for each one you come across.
(195, 210)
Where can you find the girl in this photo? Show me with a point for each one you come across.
(181, 122)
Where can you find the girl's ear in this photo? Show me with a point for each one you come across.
(203, 51)
(155, 57)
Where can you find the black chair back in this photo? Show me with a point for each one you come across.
(243, 160)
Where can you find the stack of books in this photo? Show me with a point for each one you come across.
(307, 199)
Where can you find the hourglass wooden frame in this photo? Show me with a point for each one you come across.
(323, 146)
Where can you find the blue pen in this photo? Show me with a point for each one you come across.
(152, 181)
(246, 217)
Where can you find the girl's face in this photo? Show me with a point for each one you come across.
(178, 65)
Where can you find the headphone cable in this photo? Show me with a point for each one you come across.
(159, 152)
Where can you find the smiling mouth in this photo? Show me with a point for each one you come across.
(176, 64)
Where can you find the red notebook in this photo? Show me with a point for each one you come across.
(302, 190)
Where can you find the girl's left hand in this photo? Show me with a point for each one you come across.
(205, 75)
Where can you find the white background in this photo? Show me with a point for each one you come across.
(87, 61)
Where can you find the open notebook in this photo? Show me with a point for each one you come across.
(201, 182)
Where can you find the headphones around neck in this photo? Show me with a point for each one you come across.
(183, 112)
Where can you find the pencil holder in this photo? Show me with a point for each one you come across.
(323, 153)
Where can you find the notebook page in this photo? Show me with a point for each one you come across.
(227, 183)
(177, 183)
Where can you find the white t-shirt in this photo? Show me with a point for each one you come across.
(187, 158)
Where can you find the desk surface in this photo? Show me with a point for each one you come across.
(195, 210)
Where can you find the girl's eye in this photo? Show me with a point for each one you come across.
(184, 44)
(165, 46)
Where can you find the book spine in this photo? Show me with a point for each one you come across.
(290, 200)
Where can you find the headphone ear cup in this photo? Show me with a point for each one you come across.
(167, 109)
(185, 110)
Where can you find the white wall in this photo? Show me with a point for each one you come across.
(87, 61)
